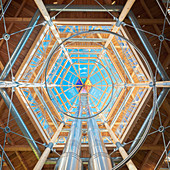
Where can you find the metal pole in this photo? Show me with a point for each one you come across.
(5, 8)
(70, 158)
(7, 160)
(100, 160)
(20, 122)
(20, 46)
(160, 100)
(122, 151)
(148, 46)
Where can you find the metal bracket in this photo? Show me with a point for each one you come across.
(50, 145)
(50, 22)
(151, 84)
(118, 145)
(118, 23)
(63, 122)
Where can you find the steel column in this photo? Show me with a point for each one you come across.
(20, 122)
(20, 46)
(160, 100)
(5, 8)
(7, 160)
(122, 151)
(100, 159)
(148, 46)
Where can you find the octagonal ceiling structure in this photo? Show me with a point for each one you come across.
(82, 65)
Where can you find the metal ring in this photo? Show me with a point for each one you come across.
(161, 129)
(6, 36)
(142, 139)
(161, 37)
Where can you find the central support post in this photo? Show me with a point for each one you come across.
(100, 160)
(70, 158)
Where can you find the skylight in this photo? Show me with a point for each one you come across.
(82, 65)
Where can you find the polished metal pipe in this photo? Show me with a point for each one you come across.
(70, 158)
(100, 160)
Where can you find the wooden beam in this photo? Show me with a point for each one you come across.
(31, 115)
(116, 104)
(46, 152)
(122, 16)
(1, 66)
(126, 34)
(136, 115)
(60, 147)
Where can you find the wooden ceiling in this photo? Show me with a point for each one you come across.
(149, 17)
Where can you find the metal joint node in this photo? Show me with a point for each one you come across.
(7, 129)
(118, 23)
(125, 84)
(6, 36)
(105, 121)
(151, 84)
(161, 37)
(161, 129)
(118, 145)
(84, 131)
(53, 18)
(13, 89)
(63, 122)
(50, 22)
(50, 145)
(124, 24)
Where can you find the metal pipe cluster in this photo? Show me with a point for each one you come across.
(70, 159)
(100, 160)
